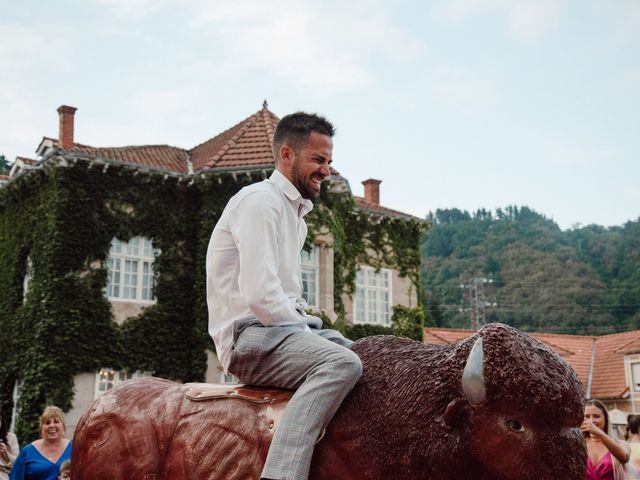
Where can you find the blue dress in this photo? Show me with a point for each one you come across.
(31, 465)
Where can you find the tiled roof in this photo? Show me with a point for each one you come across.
(608, 372)
(246, 144)
(162, 157)
(632, 346)
(579, 348)
(5, 178)
(443, 336)
(608, 379)
(378, 209)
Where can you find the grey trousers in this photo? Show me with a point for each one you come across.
(318, 364)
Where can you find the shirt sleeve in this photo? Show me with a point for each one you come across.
(256, 227)
(18, 472)
(14, 448)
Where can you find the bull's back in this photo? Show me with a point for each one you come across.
(147, 429)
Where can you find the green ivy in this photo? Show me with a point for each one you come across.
(63, 220)
(359, 238)
(405, 322)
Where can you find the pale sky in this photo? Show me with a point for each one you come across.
(451, 103)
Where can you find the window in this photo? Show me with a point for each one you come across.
(373, 296)
(635, 376)
(228, 378)
(130, 269)
(309, 267)
(108, 378)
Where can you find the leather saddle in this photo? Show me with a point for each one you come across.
(199, 392)
(274, 399)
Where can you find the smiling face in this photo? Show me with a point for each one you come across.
(596, 416)
(308, 165)
(52, 429)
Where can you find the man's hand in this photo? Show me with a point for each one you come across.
(4, 452)
(313, 321)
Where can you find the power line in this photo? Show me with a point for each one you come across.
(514, 306)
(477, 300)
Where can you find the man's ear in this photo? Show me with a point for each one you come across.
(287, 155)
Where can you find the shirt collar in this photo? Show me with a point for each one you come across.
(303, 205)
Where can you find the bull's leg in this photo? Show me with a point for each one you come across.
(323, 373)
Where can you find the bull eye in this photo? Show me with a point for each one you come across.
(515, 425)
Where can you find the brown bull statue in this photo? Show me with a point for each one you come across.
(508, 408)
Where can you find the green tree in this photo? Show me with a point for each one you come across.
(584, 280)
(5, 166)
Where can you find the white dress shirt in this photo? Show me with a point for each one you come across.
(253, 260)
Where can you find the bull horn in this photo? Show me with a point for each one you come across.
(473, 376)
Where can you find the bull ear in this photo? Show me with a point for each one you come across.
(454, 412)
(473, 376)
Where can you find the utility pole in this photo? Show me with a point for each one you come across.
(477, 301)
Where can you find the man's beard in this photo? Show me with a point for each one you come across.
(305, 188)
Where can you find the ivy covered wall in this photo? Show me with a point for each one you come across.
(64, 218)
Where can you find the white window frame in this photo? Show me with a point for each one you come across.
(369, 305)
(632, 363)
(310, 273)
(635, 376)
(114, 377)
(228, 378)
(131, 260)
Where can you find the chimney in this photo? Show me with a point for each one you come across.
(372, 190)
(65, 135)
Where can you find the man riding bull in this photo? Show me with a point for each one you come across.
(257, 316)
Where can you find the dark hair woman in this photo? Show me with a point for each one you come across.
(9, 449)
(606, 455)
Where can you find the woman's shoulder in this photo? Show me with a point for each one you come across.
(27, 450)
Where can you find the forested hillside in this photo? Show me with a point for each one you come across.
(517, 267)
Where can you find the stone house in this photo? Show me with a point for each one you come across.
(150, 209)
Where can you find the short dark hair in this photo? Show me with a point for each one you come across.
(294, 130)
(633, 424)
(4, 428)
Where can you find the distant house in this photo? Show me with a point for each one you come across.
(104, 254)
(608, 366)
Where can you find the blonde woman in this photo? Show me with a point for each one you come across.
(8, 449)
(41, 460)
(606, 455)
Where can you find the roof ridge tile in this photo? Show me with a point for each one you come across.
(233, 140)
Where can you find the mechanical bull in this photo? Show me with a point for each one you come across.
(498, 405)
